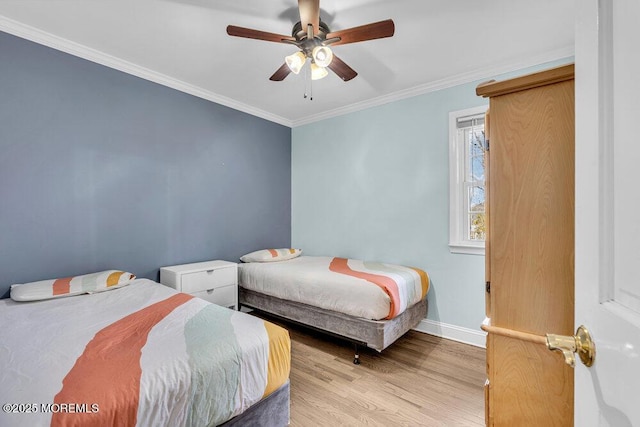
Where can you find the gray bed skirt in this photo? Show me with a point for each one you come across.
(376, 334)
(272, 411)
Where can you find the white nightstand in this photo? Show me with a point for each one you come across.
(214, 281)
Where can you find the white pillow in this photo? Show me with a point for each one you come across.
(269, 255)
(85, 284)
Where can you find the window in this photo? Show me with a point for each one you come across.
(467, 181)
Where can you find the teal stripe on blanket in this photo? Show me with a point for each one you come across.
(214, 360)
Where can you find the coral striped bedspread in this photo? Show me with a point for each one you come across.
(139, 355)
(371, 290)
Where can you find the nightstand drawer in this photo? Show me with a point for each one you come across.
(208, 279)
(225, 296)
(215, 281)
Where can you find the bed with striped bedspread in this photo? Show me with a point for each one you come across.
(363, 289)
(139, 355)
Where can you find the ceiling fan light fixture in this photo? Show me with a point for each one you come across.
(322, 56)
(314, 41)
(318, 73)
(295, 62)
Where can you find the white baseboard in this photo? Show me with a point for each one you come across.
(453, 332)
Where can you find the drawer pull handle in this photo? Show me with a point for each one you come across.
(210, 291)
(209, 271)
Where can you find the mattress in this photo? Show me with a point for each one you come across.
(369, 290)
(139, 355)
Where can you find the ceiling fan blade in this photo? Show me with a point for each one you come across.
(248, 33)
(309, 14)
(376, 30)
(343, 71)
(281, 73)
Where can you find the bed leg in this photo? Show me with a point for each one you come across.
(356, 357)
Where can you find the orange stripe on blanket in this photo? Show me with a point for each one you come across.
(424, 280)
(339, 265)
(62, 286)
(273, 253)
(108, 371)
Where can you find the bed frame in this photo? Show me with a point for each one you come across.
(375, 334)
(272, 411)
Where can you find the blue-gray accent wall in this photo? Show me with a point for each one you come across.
(100, 169)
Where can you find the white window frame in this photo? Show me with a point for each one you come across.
(457, 211)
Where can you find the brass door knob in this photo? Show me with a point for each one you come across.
(580, 343)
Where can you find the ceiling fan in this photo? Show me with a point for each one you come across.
(313, 37)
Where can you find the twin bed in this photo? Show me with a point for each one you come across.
(143, 354)
(371, 304)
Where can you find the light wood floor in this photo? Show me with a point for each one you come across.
(420, 380)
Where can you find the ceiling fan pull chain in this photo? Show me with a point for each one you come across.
(310, 80)
(307, 84)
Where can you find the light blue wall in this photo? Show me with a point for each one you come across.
(374, 185)
(100, 170)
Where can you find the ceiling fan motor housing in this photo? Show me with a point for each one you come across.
(307, 44)
(300, 33)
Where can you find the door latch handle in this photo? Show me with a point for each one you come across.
(580, 343)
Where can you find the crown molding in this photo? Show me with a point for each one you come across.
(476, 75)
(42, 37)
(47, 39)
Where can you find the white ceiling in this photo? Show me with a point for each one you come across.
(183, 44)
